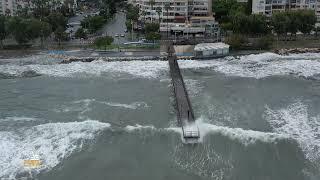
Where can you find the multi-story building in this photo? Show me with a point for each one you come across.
(267, 7)
(180, 16)
(8, 7)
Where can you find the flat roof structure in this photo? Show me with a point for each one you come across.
(211, 46)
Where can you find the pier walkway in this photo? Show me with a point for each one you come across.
(185, 114)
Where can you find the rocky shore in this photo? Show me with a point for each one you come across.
(297, 51)
(67, 60)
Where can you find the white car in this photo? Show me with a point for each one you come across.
(116, 35)
(122, 35)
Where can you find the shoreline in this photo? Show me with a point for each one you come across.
(9, 54)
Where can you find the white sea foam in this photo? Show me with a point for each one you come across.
(202, 160)
(294, 121)
(53, 142)
(134, 105)
(82, 106)
(193, 86)
(136, 127)
(244, 136)
(261, 65)
(144, 69)
(255, 66)
(19, 119)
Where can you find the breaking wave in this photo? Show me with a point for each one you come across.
(144, 69)
(53, 142)
(261, 65)
(255, 66)
(83, 105)
(243, 136)
(294, 121)
(23, 74)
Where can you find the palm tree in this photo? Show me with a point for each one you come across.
(144, 13)
(159, 11)
(152, 3)
(167, 7)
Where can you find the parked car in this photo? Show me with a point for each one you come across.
(122, 35)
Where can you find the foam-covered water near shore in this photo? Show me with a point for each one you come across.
(253, 66)
(53, 142)
(261, 65)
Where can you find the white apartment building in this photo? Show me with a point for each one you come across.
(180, 14)
(8, 7)
(267, 7)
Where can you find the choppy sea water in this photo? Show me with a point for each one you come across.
(258, 116)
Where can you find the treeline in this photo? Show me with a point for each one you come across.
(237, 18)
(91, 24)
(293, 21)
(24, 30)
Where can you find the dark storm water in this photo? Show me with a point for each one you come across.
(258, 115)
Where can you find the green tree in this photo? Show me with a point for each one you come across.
(132, 12)
(167, 7)
(159, 11)
(280, 22)
(17, 27)
(152, 27)
(258, 24)
(93, 23)
(3, 30)
(103, 41)
(307, 20)
(237, 41)
(60, 35)
(45, 31)
(293, 21)
(129, 25)
(153, 36)
(41, 8)
(81, 33)
(224, 8)
(56, 20)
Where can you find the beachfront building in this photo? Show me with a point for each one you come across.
(11, 7)
(182, 16)
(8, 7)
(267, 7)
(211, 50)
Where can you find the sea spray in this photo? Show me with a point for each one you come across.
(295, 122)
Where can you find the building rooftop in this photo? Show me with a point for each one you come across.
(202, 17)
(208, 46)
